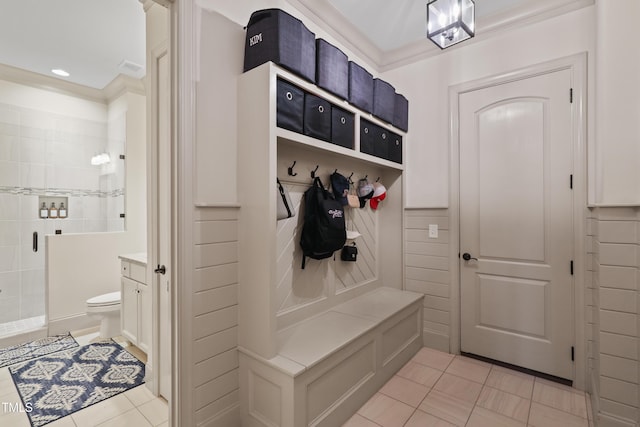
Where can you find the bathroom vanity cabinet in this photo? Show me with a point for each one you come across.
(135, 312)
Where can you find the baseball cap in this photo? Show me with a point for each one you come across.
(379, 194)
(365, 191)
(340, 186)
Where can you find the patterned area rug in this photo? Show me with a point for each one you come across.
(55, 386)
(35, 349)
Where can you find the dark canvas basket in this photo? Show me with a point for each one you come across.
(332, 69)
(341, 127)
(274, 35)
(401, 113)
(384, 100)
(394, 148)
(289, 106)
(367, 130)
(360, 87)
(317, 117)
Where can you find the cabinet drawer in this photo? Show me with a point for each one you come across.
(138, 272)
(125, 267)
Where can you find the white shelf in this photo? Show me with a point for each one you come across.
(317, 144)
(274, 293)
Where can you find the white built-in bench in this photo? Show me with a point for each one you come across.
(329, 365)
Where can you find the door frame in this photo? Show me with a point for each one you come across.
(577, 65)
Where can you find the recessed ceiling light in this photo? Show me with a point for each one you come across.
(60, 72)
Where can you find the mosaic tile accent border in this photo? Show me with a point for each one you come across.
(32, 191)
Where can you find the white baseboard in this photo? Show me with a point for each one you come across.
(229, 417)
(71, 323)
(435, 341)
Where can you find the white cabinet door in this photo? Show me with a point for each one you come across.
(130, 309)
(144, 318)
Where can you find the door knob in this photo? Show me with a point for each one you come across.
(467, 256)
(160, 269)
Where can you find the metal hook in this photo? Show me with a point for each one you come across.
(365, 177)
(290, 169)
(313, 172)
(350, 182)
(378, 179)
(335, 171)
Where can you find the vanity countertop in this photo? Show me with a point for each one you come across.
(140, 258)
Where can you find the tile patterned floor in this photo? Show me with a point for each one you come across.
(436, 389)
(134, 408)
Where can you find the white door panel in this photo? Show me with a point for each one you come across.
(516, 219)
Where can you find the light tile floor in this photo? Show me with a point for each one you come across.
(137, 407)
(436, 389)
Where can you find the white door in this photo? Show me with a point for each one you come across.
(516, 218)
(164, 225)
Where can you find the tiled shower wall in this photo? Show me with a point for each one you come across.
(616, 260)
(45, 154)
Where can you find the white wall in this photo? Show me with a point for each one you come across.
(617, 104)
(426, 86)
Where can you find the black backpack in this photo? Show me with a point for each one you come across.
(323, 231)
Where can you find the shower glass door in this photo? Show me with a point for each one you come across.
(48, 157)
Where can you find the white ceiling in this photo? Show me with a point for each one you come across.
(87, 38)
(393, 33)
(394, 24)
(91, 38)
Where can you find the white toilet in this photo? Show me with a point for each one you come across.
(106, 308)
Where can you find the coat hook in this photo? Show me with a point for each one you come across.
(366, 176)
(350, 182)
(378, 179)
(290, 169)
(313, 172)
(335, 171)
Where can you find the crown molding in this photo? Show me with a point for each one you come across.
(323, 14)
(52, 84)
(123, 84)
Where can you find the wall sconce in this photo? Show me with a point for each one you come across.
(450, 21)
(100, 159)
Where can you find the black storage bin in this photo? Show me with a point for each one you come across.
(274, 35)
(341, 127)
(381, 139)
(289, 106)
(384, 100)
(401, 113)
(360, 87)
(367, 136)
(317, 117)
(332, 69)
(395, 147)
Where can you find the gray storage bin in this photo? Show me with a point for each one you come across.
(332, 69)
(274, 35)
(384, 100)
(360, 87)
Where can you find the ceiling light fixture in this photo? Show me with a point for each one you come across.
(60, 72)
(450, 21)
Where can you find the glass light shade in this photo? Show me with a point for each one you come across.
(450, 21)
(100, 159)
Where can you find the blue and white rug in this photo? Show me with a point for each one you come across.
(35, 349)
(55, 386)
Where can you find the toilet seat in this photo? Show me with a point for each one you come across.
(105, 300)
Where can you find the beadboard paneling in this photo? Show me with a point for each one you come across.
(427, 271)
(616, 319)
(215, 311)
